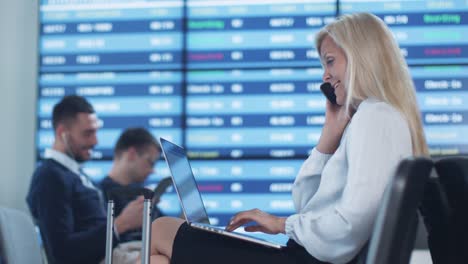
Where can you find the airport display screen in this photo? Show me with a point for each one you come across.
(234, 82)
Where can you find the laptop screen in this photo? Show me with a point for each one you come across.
(184, 182)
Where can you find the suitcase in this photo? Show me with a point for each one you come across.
(146, 226)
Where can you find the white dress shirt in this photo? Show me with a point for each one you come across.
(63, 159)
(337, 196)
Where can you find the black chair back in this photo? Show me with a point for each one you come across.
(436, 215)
(395, 228)
(445, 210)
(453, 175)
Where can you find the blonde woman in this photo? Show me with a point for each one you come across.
(375, 124)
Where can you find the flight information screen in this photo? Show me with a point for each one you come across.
(443, 99)
(428, 31)
(234, 82)
(124, 56)
(121, 99)
(84, 35)
(246, 34)
(272, 113)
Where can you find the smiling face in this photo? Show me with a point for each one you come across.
(79, 137)
(334, 64)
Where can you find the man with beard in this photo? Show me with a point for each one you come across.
(66, 205)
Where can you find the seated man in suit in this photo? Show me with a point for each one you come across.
(66, 205)
(135, 154)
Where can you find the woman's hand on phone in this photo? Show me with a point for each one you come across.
(336, 120)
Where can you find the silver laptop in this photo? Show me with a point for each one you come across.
(190, 198)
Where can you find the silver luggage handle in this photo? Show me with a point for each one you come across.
(109, 232)
(146, 233)
(146, 225)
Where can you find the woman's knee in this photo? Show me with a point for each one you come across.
(164, 230)
(164, 226)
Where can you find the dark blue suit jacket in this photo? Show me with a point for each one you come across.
(70, 215)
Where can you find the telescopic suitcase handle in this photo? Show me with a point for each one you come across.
(146, 225)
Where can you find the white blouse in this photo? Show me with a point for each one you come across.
(337, 196)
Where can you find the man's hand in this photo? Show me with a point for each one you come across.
(131, 216)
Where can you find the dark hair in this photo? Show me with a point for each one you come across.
(68, 108)
(136, 137)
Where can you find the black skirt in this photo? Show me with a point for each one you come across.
(192, 245)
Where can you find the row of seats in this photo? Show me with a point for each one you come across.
(442, 200)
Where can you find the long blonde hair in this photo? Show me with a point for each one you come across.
(376, 68)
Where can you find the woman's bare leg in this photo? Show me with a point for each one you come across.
(163, 232)
(160, 259)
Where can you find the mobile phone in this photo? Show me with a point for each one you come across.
(329, 92)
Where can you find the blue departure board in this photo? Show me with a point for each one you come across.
(251, 113)
(122, 99)
(234, 82)
(428, 31)
(246, 34)
(443, 98)
(110, 35)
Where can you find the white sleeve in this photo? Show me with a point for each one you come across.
(308, 178)
(378, 140)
